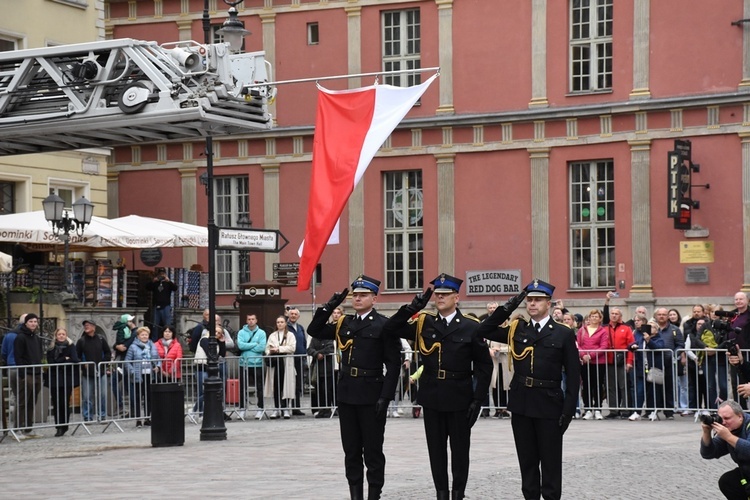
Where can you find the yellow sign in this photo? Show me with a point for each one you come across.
(696, 252)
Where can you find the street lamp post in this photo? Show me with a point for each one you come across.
(245, 223)
(212, 427)
(63, 225)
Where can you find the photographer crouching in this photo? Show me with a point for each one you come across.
(731, 427)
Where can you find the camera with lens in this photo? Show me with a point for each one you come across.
(725, 314)
(731, 346)
(710, 419)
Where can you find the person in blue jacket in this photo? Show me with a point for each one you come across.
(251, 341)
(143, 364)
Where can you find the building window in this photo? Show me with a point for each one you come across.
(7, 197)
(592, 226)
(7, 44)
(401, 46)
(230, 204)
(312, 34)
(68, 191)
(403, 230)
(590, 45)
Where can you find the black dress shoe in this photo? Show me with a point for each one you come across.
(59, 433)
(147, 421)
(298, 413)
(323, 414)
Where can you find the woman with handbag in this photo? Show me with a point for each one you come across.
(280, 376)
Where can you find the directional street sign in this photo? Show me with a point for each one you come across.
(254, 240)
(286, 273)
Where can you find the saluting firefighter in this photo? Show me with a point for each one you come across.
(541, 350)
(364, 390)
(453, 356)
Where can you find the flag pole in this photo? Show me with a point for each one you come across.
(341, 77)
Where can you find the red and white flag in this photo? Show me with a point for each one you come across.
(350, 127)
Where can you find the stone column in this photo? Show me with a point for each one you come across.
(641, 48)
(538, 54)
(445, 42)
(640, 189)
(356, 202)
(189, 208)
(539, 164)
(271, 197)
(446, 212)
(354, 43)
(745, 137)
(745, 83)
(268, 22)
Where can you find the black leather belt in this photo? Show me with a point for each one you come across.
(353, 371)
(536, 382)
(445, 374)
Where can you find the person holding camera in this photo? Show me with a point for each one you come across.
(161, 289)
(731, 427)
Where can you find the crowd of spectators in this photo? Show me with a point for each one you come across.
(649, 366)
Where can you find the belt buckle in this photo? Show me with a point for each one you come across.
(353, 371)
(441, 374)
(529, 382)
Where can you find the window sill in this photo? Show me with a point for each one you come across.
(588, 92)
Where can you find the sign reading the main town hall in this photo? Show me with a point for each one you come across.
(503, 282)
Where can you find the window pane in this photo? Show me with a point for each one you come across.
(592, 231)
(401, 44)
(403, 230)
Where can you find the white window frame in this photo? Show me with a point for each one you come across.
(401, 48)
(60, 187)
(591, 24)
(592, 225)
(313, 33)
(404, 227)
(231, 198)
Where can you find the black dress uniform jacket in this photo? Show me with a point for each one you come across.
(540, 356)
(364, 351)
(451, 355)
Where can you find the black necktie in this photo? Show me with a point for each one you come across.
(445, 322)
(538, 326)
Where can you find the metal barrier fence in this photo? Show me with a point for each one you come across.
(115, 394)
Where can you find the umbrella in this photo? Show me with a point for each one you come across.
(32, 230)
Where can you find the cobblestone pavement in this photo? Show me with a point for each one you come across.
(302, 458)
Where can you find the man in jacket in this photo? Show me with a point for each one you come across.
(28, 350)
(675, 342)
(364, 391)
(541, 350)
(731, 437)
(251, 341)
(620, 362)
(161, 289)
(455, 379)
(93, 348)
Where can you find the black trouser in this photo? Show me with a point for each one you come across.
(299, 366)
(29, 387)
(439, 426)
(362, 435)
(278, 382)
(60, 405)
(731, 486)
(539, 442)
(322, 394)
(256, 374)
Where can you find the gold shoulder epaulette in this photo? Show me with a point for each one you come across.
(421, 314)
(472, 317)
(431, 313)
(561, 323)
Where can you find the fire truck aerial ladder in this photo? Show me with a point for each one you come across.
(126, 91)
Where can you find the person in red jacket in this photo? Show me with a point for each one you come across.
(620, 338)
(170, 351)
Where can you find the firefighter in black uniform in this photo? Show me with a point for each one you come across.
(363, 390)
(541, 350)
(454, 357)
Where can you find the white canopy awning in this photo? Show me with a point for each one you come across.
(32, 230)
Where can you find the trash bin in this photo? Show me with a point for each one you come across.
(167, 415)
